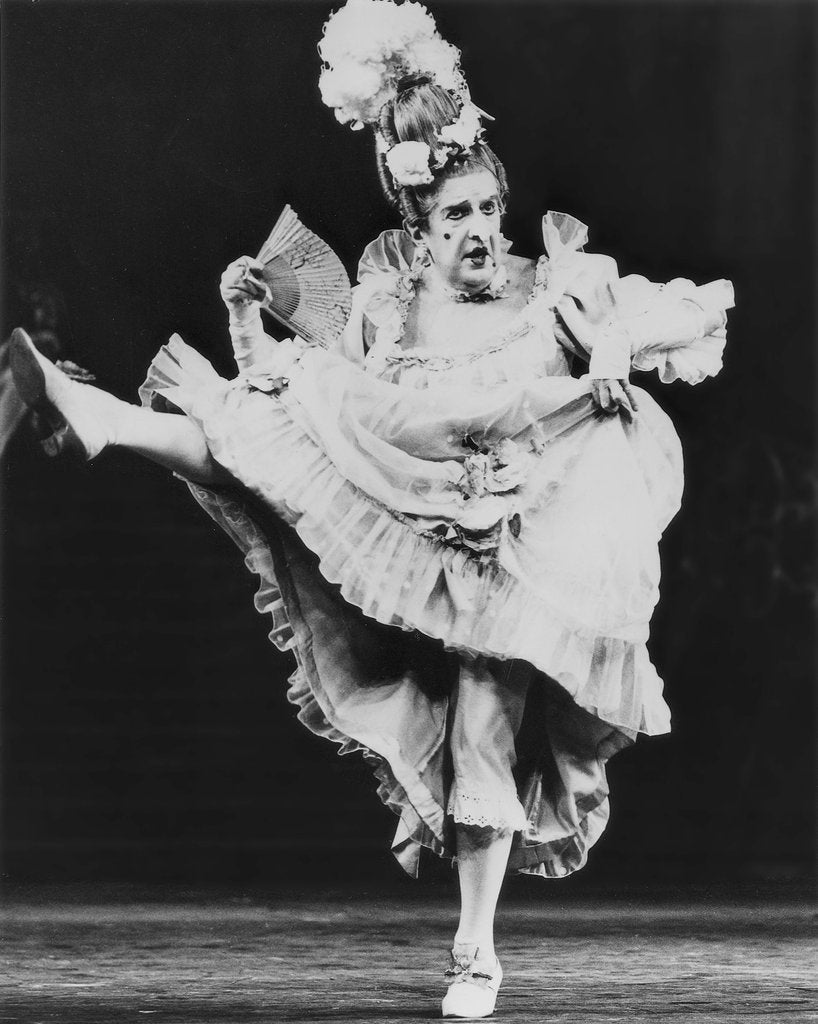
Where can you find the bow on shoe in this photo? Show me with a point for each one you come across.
(462, 969)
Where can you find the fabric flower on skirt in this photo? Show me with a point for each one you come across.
(491, 475)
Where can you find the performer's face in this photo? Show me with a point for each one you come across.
(463, 235)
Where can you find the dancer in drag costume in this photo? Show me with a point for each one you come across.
(455, 536)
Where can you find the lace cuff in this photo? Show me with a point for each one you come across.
(501, 811)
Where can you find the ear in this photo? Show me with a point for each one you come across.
(414, 232)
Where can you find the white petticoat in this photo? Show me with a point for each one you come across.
(364, 482)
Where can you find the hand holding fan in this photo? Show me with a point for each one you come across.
(309, 288)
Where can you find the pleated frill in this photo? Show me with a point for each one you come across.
(372, 595)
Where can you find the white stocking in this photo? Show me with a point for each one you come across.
(482, 856)
(168, 439)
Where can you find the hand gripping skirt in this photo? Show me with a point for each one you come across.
(388, 548)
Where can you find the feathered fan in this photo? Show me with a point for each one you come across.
(309, 287)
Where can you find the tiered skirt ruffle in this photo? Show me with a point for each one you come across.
(339, 570)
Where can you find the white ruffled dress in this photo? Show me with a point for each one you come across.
(399, 505)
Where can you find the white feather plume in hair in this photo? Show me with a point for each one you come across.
(369, 45)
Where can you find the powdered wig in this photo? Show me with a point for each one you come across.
(418, 112)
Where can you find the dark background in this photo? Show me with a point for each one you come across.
(146, 735)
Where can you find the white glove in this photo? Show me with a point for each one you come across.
(243, 293)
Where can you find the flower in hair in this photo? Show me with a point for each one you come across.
(466, 131)
(409, 163)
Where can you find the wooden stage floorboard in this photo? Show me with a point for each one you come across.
(289, 961)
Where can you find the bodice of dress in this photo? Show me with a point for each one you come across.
(526, 347)
(578, 304)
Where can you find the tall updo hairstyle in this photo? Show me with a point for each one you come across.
(418, 112)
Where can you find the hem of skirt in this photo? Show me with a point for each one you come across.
(562, 857)
(400, 787)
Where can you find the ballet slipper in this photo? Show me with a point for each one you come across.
(473, 986)
(67, 412)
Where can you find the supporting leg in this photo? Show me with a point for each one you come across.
(482, 856)
(488, 709)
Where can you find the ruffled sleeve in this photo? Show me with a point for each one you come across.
(623, 323)
(376, 319)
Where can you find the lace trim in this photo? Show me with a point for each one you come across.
(504, 811)
(432, 360)
(415, 357)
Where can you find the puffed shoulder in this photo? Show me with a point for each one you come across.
(391, 252)
(562, 232)
(375, 318)
(570, 270)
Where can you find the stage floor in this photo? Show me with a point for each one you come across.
(291, 960)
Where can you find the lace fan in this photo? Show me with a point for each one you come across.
(310, 289)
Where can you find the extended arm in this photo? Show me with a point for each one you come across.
(619, 324)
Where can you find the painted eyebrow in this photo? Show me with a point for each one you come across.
(466, 203)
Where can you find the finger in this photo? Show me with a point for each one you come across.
(256, 276)
(234, 274)
(250, 277)
(597, 394)
(606, 401)
(258, 288)
(238, 266)
(249, 288)
(241, 269)
(631, 396)
(620, 400)
(262, 289)
(246, 287)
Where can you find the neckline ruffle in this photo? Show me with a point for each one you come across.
(385, 273)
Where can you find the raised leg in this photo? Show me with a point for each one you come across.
(86, 419)
(169, 440)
